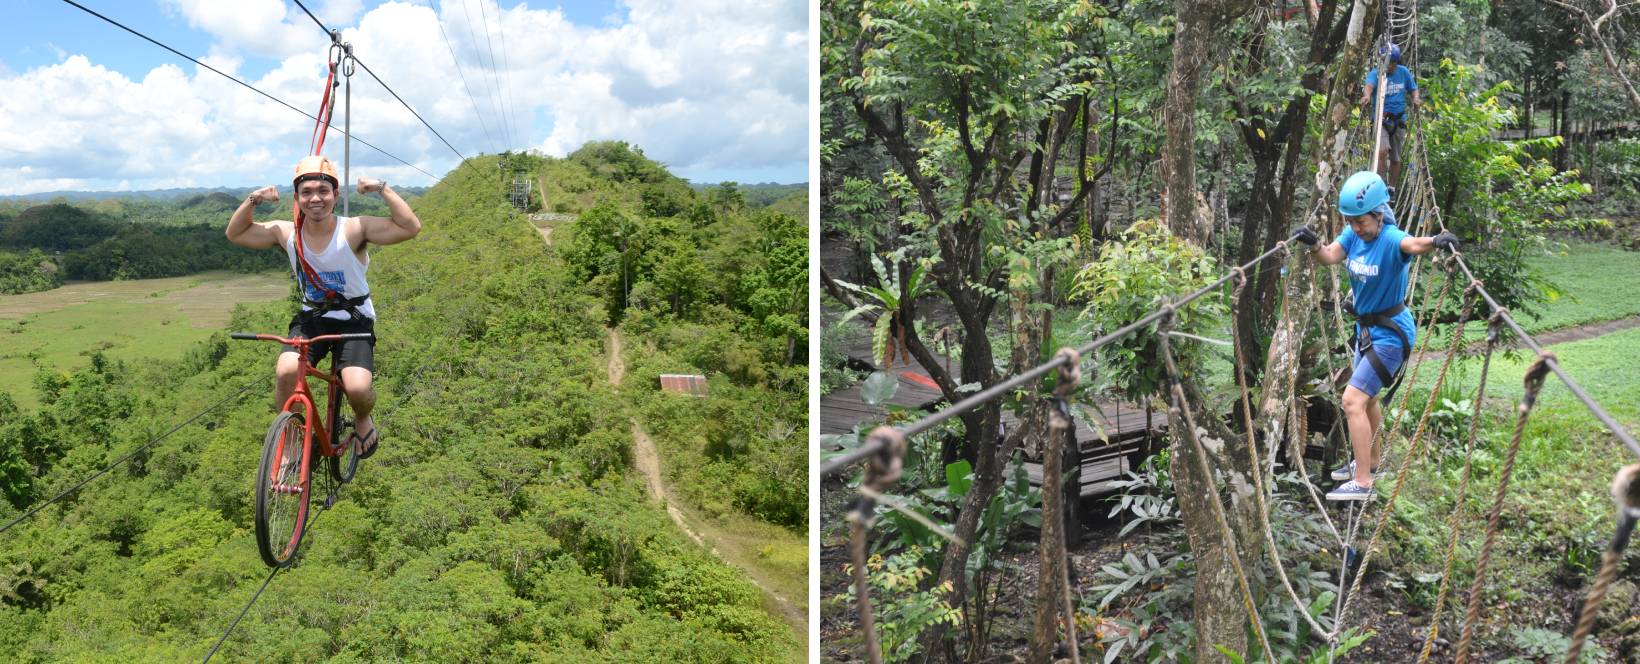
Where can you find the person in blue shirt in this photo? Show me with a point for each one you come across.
(1394, 128)
(1376, 254)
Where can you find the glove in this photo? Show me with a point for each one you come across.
(1305, 235)
(1446, 240)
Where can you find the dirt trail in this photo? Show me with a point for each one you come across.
(733, 550)
(1560, 336)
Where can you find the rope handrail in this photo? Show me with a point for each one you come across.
(874, 443)
(1605, 418)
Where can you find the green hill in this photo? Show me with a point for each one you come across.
(500, 521)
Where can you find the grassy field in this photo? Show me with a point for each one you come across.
(126, 320)
(1595, 282)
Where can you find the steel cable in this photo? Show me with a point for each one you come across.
(32, 511)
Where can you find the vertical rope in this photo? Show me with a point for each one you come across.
(1069, 377)
(1626, 493)
(882, 470)
(1412, 453)
(1492, 334)
(1183, 407)
(1263, 509)
(1533, 382)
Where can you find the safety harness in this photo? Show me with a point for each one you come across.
(1362, 342)
(332, 301)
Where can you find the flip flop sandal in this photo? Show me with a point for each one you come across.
(367, 444)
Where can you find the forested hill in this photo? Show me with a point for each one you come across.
(500, 521)
(134, 237)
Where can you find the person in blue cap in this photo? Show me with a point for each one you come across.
(1394, 128)
(1376, 253)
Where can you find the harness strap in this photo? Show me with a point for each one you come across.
(1383, 319)
(335, 302)
(327, 104)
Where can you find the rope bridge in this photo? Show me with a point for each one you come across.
(884, 448)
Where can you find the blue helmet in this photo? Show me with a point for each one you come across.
(1362, 193)
(1394, 53)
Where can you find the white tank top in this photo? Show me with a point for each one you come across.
(338, 268)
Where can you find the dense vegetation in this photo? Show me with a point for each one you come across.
(500, 521)
(991, 170)
(703, 284)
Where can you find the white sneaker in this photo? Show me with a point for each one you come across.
(1351, 491)
(1347, 472)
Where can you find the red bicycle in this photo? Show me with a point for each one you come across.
(282, 481)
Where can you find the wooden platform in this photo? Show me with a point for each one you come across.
(842, 410)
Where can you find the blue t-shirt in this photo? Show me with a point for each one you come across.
(1378, 277)
(1395, 96)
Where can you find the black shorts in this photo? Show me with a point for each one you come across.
(353, 353)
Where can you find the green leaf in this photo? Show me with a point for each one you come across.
(878, 388)
(957, 477)
(1233, 657)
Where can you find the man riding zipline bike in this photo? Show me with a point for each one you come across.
(330, 267)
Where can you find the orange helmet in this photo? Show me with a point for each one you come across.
(316, 167)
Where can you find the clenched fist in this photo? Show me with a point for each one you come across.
(371, 186)
(266, 194)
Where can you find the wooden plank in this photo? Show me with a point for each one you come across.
(1096, 477)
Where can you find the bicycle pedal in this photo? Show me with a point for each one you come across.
(330, 500)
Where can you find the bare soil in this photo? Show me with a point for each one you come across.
(738, 547)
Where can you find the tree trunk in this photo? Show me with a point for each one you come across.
(1275, 410)
(1218, 619)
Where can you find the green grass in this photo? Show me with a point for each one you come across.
(1595, 282)
(1603, 366)
(129, 321)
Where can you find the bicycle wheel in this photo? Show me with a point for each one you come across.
(281, 497)
(344, 465)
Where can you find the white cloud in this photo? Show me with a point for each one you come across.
(703, 87)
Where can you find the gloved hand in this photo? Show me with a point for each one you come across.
(1305, 235)
(1446, 240)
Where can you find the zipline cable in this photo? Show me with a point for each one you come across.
(236, 80)
(258, 595)
(506, 130)
(501, 90)
(127, 457)
(355, 58)
(464, 86)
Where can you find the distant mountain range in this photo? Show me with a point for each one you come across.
(236, 192)
(158, 194)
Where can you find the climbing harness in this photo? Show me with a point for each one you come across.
(1362, 343)
(338, 58)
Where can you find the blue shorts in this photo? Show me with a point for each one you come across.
(1365, 377)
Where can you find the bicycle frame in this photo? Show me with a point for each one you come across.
(303, 397)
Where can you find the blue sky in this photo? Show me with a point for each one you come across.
(716, 90)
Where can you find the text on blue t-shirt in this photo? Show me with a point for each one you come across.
(1378, 277)
(1395, 96)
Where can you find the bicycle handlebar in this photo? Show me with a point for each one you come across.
(350, 336)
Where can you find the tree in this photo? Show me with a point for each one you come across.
(961, 96)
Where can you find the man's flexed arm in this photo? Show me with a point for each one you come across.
(246, 233)
(401, 225)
